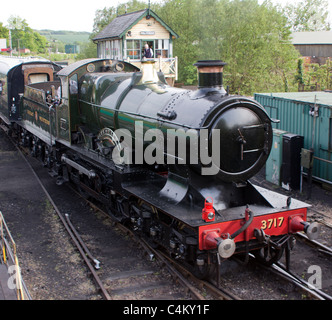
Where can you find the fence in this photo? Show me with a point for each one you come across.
(9, 257)
(169, 66)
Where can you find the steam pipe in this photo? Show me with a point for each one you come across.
(245, 226)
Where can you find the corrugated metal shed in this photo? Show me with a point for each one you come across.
(295, 110)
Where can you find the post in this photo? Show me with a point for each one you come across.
(312, 150)
(310, 173)
(10, 43)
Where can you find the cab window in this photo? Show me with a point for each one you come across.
(73, 84)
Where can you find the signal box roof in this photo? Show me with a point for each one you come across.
(122, 24)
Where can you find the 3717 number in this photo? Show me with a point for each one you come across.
(272, 223)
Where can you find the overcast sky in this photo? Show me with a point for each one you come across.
(74, 15)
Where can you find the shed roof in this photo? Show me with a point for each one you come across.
(122, 24)
(316, 37)
(318, 97)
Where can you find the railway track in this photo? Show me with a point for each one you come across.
(194, 288)
(126, 274)
(304, 287)
(131, 274)
(141, 282)
(182, 275)
(144, 278)
(319, 246)
(320, 250)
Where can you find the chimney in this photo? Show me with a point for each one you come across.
(210, 74)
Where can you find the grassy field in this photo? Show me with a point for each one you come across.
(67, 37)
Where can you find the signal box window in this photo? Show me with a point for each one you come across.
(133, 49)
(162, 48)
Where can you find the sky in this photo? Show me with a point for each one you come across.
(73, 15)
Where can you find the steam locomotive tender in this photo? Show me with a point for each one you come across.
(77, 118)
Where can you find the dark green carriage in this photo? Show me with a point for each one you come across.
(15, 75)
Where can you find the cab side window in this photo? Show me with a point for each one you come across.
(73, 84)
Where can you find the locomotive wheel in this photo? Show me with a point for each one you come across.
(84, 193)
(115, 208)
(269, 256)
(113, 213)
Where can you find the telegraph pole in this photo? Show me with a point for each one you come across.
(10, 43)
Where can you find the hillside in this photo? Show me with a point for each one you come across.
(66, 37)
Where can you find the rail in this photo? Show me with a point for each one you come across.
(9, 257)
(324, 160)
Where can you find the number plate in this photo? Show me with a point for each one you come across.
(272, 223)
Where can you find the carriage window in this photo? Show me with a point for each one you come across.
(36, 78)
(1, 88)
(73, 84)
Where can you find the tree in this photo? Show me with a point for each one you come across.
(182, 16)
(255, 42)
(253, 39)
(105, 16)
(88, 50)
(299, 77)
(39, 42)
(24, 37)
(308, 15)
(4, 32)
(209, 28)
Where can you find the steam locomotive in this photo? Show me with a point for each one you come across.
(173, 164)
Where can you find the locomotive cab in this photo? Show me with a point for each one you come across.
(80, 89)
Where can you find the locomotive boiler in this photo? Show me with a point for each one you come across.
(173, 164)
(242, 127)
